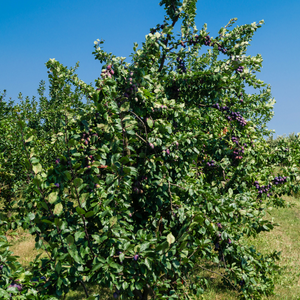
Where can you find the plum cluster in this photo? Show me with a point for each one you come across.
(223, 50)
(263, 189)
(279, 180)
(232, 115)
(181, 66)
(138, 185)
(211, 163)
(86, 137)
(207, 42)
(138, 190)
(237, 116)
(237, 153)
(89, 160)
(235, 140)
(108, 72)
(223, 108)
(194, 41)
(240, 69)
(130, 91)
(216, 105)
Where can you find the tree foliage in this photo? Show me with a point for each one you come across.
(165, 170)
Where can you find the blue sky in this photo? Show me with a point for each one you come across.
(33, 31)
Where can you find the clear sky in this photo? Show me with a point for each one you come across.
(33, 31)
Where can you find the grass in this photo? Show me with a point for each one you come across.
(284, 238)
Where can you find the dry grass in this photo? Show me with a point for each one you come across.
(23, 245)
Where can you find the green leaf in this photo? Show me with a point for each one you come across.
(31, 216)
(34, 160)
(125, 285)
(97, 267)
(162, 246)
(29, 139)
(125, 106)
(110, 82)
(71, 142)
(83, 197)
(169, 129)
(53, 197)
(89, 214)
(96, 163)
(78, 182)
(144, 246)
(46, 221)
(58, 208)
(147, 263)
(37, 168)
(79, 235)
(68, 175)
(58, 267)
(113, 220)
(109, 178)
(124, 160)
(57, 222)
(149, 122)
(37, 181)
(122, 256)
(80, 210)
(70, 240)
(170, 238)
(138, 285)
(116, 266)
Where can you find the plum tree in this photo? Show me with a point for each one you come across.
(143, 189)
